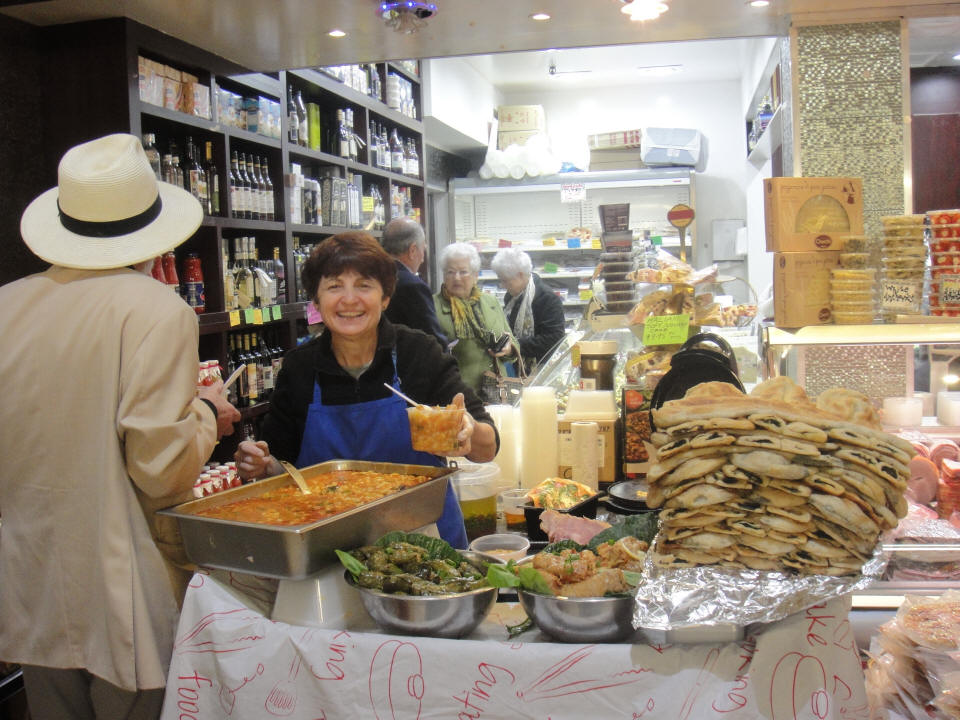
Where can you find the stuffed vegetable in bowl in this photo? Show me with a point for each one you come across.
(412, 584)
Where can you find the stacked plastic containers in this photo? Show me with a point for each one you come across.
(853, 284)
(904, 263)
(945, 262)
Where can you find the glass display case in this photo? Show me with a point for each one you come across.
(911, 373)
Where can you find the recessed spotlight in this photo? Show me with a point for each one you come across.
(336, 33)
(957, 56)
(759, 3)
(540, 16)
(644, 9)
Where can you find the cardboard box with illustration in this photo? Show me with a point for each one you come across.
(801, 287)
(809, 214)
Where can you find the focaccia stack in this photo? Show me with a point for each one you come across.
(772, 481)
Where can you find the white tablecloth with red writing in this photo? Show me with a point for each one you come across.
(232, 662)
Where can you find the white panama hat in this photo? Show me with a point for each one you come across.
(108, 209)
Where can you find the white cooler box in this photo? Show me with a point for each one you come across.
(673, 146)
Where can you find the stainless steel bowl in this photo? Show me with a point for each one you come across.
(444, 616)
(588, 620)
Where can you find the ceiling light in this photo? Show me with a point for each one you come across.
(540, 16)
(336, 33)
(406, 16)
(759, 3)
(659, 70)
(957, 56)
(644, 9)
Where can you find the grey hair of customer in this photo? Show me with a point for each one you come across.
(460, 251)
(510, 262)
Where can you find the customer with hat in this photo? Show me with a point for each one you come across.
(102, 424)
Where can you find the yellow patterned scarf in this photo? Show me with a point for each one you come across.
(467, 316)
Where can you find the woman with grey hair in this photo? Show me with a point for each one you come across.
(534, 311)
(473, 319)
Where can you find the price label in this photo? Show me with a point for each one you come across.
(572, 192)
(666, 329)
(950, 289)
(248, 316)
(899, 295)
(277, 312)
(313, 315)
(257, 316)
(234, 318)
(549, 267)
(366, 205)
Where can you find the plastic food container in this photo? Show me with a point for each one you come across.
(476, 489)
(512, 502)
(944, 217)
(856, 244)
(898, 221)
(506, 546)
(940, 259)
(434, 429)
(945, 245)
(854, 260)
(853, 318)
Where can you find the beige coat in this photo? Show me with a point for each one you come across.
(99, 371)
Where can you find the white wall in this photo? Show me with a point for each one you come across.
(459, 97)
(759, 261)
(713, 108)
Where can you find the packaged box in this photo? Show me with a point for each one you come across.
(514, 137)
(597, 406)
(806, 214)
(801, 287)
(616, 159)
(673, 146)
(521, 117)
(200, 95)
(618, 139)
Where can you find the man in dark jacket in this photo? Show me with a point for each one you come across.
(412, 302)
(534, 311)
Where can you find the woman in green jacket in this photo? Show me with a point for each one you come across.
(474, 320)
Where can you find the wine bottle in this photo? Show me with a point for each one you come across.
(236, 187)
(268, 190)
(213, 182)
(303, 136)
(281, 274)
(396, 153)
(293, 119)
(153, 155)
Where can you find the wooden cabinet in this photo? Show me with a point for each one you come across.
(93, 88)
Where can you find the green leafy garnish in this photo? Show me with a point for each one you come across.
(642, 526)
(520, 628)
(632, 578)
(353, 566)
(533, 581)
(438, 549)
(502, 576)
(556, 548)
(512, 575)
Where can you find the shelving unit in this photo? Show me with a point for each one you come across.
(109, 50)
(532, 214)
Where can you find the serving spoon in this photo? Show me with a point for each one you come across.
(297, 477)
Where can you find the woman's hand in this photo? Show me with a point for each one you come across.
(467, 426)
(254, 460)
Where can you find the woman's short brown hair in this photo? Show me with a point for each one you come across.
(354, 250)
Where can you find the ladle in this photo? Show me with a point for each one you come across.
(297, 477)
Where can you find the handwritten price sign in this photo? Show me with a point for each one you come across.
(666, 329)
(899, 295)
(572, 192)
(950, 289)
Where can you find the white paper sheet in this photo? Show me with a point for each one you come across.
(232, 662)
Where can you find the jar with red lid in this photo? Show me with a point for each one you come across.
(193, 283)
(170, 272)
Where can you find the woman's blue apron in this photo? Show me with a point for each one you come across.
(376, 431)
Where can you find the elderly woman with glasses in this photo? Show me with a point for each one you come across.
(472, 319)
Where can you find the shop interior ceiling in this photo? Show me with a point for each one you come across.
(270, 35)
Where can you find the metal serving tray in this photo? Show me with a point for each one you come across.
(297, 551)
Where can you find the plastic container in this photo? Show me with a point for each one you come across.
(944, 217)
(434, 429)
(854, 318)
(476, 488)
(585, 508)
(598, 359)
(506, 546)
(511, 503)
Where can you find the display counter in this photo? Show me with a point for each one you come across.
(231, 661)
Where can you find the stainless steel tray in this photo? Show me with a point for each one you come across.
(298, 551)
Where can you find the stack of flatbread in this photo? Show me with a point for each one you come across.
(773, 481)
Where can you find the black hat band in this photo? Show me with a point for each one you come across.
(111, 228)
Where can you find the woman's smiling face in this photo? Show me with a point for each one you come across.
(350, 303)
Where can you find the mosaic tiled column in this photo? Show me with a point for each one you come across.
(848, 83)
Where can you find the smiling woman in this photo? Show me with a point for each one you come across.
(330, 400)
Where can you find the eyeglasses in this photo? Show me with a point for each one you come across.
(457, 273)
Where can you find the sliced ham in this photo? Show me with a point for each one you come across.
(944, 449)
(564, 526)
(922, 487)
